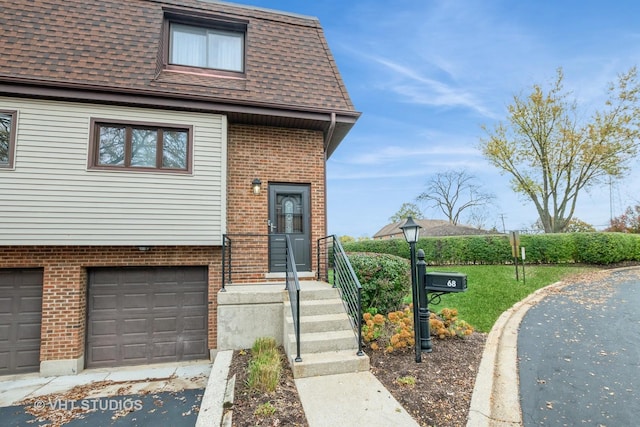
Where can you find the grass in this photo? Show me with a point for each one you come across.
(407, 380)
(265, 366)
(493, 289)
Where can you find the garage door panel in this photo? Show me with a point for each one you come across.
(165, 300)
(165, 350)
(152, 321)
(27, 358)
(29, 332)
(5, 302)
(103, 302)
(104, 353)
(166, 324)
(134, 353)
(20, 320)
(193, 348)
(194, 299)
(194, 323)
(135, 301)
(31, 305)
(135, 326)
(104, 327)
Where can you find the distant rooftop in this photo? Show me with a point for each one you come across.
(430, 228)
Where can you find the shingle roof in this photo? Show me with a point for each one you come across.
(430, 228)
(115, 46)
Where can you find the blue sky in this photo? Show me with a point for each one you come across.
(427, 74)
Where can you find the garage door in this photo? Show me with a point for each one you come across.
(146, 315)
(20, 320)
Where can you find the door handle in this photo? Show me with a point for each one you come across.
(271, 226)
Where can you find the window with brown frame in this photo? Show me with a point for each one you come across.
(202, 47)
(7, 138)
(141, 147)
(204, 44)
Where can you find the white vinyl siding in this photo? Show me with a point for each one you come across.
(52, 198)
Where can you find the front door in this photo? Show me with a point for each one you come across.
(289, 214)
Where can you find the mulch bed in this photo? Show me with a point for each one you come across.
(435, 392)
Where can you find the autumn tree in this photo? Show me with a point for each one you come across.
(407, 210)
(552, 154)
(576, 225)
(454, 192)
(628, 222)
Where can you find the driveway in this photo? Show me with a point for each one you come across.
(132, 396)
(579, 354)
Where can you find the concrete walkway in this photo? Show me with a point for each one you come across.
(357, 399)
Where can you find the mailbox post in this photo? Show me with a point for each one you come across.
(438, 284)
(424, 315)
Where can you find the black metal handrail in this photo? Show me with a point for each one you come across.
(333, 266)
(246, 257)
(293, 286)
(226, 260)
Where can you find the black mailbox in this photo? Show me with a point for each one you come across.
(445, 282)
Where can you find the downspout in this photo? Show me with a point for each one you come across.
(327, 140)
(329, 134)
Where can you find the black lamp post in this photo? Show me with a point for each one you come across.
(411, 232)
(425, 329)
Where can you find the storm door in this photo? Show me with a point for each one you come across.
(289, 214)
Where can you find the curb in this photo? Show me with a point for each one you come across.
(495, 401)
(211, 407)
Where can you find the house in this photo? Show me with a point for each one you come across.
(136, 139)
(430, 228)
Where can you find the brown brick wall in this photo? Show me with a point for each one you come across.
(274, 155)
(65, 285)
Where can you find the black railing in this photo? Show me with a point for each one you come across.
(245, 257)
(333, 266)
(293, 286)
(226, 260)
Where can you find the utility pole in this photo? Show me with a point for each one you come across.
(504, 229)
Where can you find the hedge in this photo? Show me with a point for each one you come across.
(585, 248)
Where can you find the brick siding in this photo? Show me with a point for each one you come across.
(64, 293)
(274, 155)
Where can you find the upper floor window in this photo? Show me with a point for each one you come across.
(141, 147)
(7, 138)
(192, 46)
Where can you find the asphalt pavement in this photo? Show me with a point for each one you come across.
(154, 395)
(579, 355)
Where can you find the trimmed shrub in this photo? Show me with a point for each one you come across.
(384, 278)
(590, 248)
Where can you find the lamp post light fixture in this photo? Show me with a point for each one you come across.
(256, 185)
(411, 231)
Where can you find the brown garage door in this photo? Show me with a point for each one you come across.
(20, 320)
(146, 315)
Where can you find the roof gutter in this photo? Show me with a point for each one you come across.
(329, 135)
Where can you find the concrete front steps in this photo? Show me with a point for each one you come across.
(328, 343)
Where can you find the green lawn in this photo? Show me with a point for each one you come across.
(493, 289)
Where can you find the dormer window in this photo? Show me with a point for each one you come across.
(206, 47)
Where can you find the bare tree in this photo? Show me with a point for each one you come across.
(453, 192)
